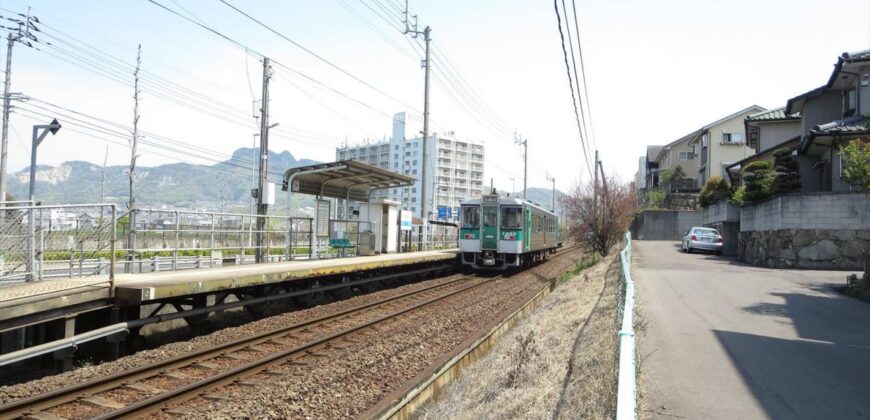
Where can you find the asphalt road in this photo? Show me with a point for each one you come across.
(726, 340)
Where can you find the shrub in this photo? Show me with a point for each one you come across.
(715, 190)
(757, 181)
(656, 198)
(856, 163)
(737, 195)
(786, 178)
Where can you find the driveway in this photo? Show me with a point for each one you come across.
(726, 340)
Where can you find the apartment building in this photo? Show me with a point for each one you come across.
(456, 168)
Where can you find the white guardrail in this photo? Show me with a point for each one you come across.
(626, 394)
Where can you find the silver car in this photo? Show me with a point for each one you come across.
(702, 239)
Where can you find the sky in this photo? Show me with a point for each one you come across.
(655, 71)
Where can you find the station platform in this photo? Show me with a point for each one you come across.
(133, 289)
(54, 299)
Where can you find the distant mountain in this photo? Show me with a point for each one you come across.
(222, 185)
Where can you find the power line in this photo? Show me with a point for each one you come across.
(574, 68)
(583, 72)
(312, 53)
(571, 86)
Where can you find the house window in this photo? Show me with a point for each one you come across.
(850, 102)
(732, 138)
(414, 172)
(687, 155)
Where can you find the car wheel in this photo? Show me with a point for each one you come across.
(719, 253)
(688, 250)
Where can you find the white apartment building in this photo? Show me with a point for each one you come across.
(456, 168)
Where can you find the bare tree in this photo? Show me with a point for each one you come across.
(600, 223)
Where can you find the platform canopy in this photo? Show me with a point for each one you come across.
(348, 179)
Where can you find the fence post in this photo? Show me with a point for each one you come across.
(155, 264)
(41, 252)
(31, 243)
(112, 240)
(199, 261)
(175, 248)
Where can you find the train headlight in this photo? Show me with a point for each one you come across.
(468, 236)
(510, 236)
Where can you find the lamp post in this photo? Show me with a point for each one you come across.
(37, 139)
(38, 136)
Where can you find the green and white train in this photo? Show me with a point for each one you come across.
(499, 232)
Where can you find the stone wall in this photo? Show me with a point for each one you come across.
(820, 230)
(681, 201)
(805, 248)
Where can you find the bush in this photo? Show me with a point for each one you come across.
(715, 190)
(737, 195)
(757, 181)
(656, 198)
(856, 163)
(671, 175)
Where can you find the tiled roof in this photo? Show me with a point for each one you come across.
(859, 55)
(772, 114)
(856, 124)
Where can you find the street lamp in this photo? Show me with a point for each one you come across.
(37, 139)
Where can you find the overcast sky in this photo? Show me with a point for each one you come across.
(656, 71)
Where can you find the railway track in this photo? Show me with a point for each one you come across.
(150, 389)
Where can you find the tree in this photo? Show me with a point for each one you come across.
(758, 181)
(786, 178)
(600, 222)
(856, 163)
(670, 176)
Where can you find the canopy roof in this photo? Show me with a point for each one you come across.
(348, 179)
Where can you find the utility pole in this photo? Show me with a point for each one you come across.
(7, 108)
(103, 177)
(525, 143)
(553, 180)
(595, 186)
(262, 206)
(426, 64)
(131, 173)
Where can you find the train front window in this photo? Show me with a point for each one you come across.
(511, 217)
(471, 217)
(490, 217)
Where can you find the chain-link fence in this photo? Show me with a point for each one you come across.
(158, 240)
(61, 241)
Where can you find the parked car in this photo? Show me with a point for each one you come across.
(702, 239)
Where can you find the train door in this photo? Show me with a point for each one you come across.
(490, 227)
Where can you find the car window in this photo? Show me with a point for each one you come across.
(706, 231)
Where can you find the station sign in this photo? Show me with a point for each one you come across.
(405, 220)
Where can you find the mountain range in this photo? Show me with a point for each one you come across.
(224, 186)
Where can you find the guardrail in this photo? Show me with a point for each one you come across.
(626, 394)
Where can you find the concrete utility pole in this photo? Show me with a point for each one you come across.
(426, 65)
(553, 180)
(31, 217)
(7, 108)
(103, 177)
(525, 143)
(595, 186)
(131, 172)
(262, 206)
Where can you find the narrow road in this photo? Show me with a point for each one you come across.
(725, 340)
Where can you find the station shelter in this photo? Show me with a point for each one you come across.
(372, 228)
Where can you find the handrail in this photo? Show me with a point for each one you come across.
(626, 394)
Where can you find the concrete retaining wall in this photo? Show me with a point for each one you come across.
(725, 218)
(832, 211)
(661, 225)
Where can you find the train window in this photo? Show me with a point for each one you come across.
(511, 217)
(490, 216)
(471, 217)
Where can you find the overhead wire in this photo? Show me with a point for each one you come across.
(571, 86)
(583, 73)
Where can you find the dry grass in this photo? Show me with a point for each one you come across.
(526, 375)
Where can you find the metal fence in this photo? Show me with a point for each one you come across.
(434, 237)
(46, 242)
(626, 395)
(173, 239)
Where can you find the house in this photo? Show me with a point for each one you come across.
(767, 132)
(721, 144)
(831, 116)
(651, 167)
